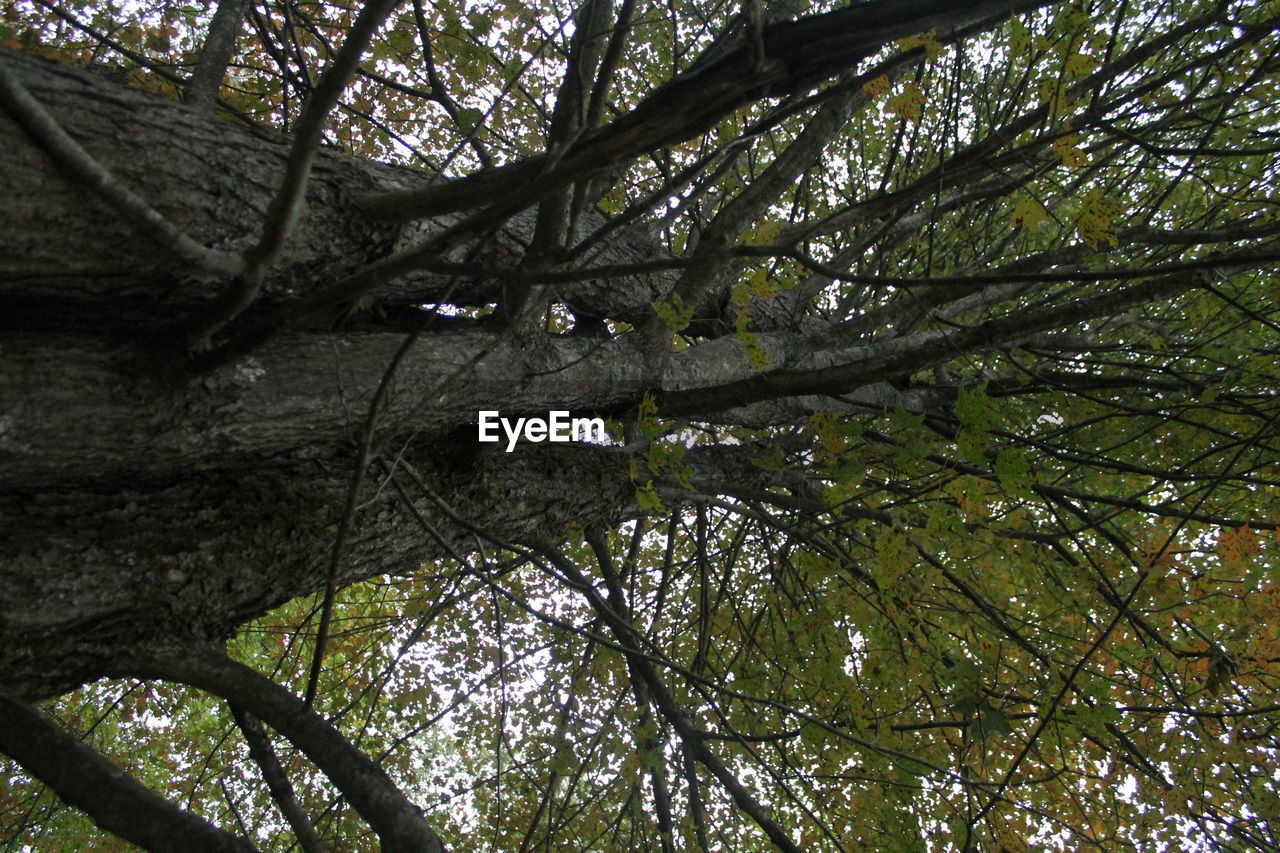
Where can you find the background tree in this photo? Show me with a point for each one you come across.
(939, 351)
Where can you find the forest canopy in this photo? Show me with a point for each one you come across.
(936, 343)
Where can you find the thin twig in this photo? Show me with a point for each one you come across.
(363, 457)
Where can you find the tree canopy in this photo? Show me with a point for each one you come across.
(937, 346)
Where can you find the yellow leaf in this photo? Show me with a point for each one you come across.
(876, 87)
(1028, 213)
(909, 104)
(929, 41)
(1094, 221)
(1068, 147)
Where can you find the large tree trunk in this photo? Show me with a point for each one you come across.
(143, 499)
(138, 505)
(135, 506)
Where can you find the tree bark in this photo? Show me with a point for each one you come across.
(135, 508)
(139, 505)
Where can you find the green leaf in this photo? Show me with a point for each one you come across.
(673, 313)
(975, 409)
(648, 498)
(993, 721)
(1014, 472)
(469, 119)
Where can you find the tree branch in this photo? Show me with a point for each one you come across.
(397, 821)
(115, 801)
(202, 87)
(880, 359)
(440, 94)
(800, 54)
(665, 702)
(277, 780)
(287, 204)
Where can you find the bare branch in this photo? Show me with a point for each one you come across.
(277, 780)
(114, 799)
(219, 46)
(800, 54)
(397, 821)
(689, 734)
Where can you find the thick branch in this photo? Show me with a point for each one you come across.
(115, 800)
(798, 54)
(877, 360)
(67, 153)
(219, 46)
(285, 208)
(398, 822)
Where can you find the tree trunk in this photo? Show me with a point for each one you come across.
(137, 507)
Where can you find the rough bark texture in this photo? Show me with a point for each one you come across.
(134, 508)
(182, 450)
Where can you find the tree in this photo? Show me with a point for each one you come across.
(937, 346)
